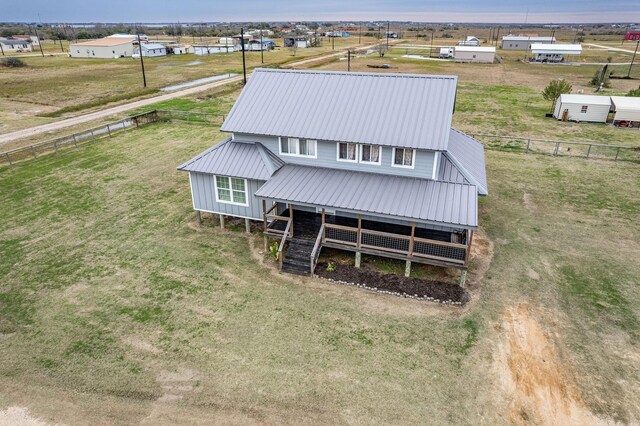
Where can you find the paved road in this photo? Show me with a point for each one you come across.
(73, 121)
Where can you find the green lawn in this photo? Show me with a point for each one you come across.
(115, 307)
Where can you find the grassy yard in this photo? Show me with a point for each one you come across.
(116, 308)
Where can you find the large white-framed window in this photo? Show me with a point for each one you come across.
(403, 157)
(347, 151)
(371, 154)
(298, 147)
(230, 190)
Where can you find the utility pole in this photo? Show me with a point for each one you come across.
(497, 35)
(387, 35)
(379, 37)
(144, 77)
(348, 60)
(244, 65)
(61, 48)
(633, 59)
(359, 33)
(39, 41)
(431, 48)
(261, 48)
(1, 49)
(333, 42)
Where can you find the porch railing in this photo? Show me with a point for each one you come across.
(315, 253)
(410, 247)
(285, 235)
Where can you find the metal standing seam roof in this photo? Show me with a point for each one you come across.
(485, 49)
(149, 46)
(566, 49)
(445, 203)
(448, 172)
(467, 154)
(249, 160)
(528, 38)
(626, 102)
(585, 99)
(405, 110)
(13, 42)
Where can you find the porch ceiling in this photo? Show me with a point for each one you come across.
(423, 200)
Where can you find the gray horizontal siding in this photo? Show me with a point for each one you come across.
(327, 158)
(204, 198)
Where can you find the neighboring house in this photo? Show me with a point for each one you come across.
(105, 48)
(470, 41)
(298, 41)
(150, 49)
(213, 49)
(589, 108)
(34, 40)
(626, 111)
(258, 44)
(179, 49)
(363, 162)
(554, 52)
(15, 45)
(511, 42)
(143, 37)
(474, 54)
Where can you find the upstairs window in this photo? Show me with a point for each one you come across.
(584, 109)
(403, 157)
(231, 190)
(347, 152)
(370, 154)
(298, 147)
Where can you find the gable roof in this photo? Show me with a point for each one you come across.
(425, 200)
(566, 49)
(571, 98)
(475, 49)
(408, 110)
(14, 41)
(249, 160)
(467, 154)
(528, 38)
(149, 46)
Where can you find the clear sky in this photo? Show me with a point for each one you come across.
(539, 11)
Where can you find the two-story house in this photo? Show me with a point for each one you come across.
(364, 162)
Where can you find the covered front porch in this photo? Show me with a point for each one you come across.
(362, 234)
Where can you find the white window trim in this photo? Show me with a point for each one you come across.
(343, 159)
(393, 159)
(373, 163)
(246, 191)
(297, 154)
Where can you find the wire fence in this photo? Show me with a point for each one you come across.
(559, 148)
(73, 140)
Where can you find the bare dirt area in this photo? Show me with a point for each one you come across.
(19, 416)
(537, 386)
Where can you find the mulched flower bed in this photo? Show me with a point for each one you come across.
(437, 291)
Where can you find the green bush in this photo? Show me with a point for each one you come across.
(12, 62)
(634, 92)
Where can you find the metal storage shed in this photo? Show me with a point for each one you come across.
(590, 108)
(627, 109)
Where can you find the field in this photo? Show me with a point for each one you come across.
(59, 86)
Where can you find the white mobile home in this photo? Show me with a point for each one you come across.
(627, 111)
(213, 49)
(104, 48)
(470, 41)
(474, 54)
(15, 45)
(590, 108)
(150, 49)
(511, 42)
(554, 52)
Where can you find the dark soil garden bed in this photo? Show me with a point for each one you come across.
(438, 291)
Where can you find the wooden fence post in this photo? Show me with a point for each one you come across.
(55, 146)
(8, 158)
(617, 153)
(528, 143)
(588, 150)
(109, 130)
(75, 142)
(33, 151)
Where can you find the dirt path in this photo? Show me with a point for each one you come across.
(535, 385)
(615, 49)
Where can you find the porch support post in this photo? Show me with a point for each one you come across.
(247, 226)
(266, 242)
(323, 215)
(470, 240)
(358, 259)
(407, 268)
(264, 214)
(222, 221)
(463, 278)
(359, 230)
(198, 217)
(291, 219)
(412, 240)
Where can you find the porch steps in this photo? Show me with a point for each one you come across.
(297, 259)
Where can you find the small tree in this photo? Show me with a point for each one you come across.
(554, 89)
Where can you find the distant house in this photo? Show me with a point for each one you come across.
(511, 42)
(150, 49)
(179, 49)
(34, 40)
(260, 44)
(299, 41)
(320, 169)
(554, 52)
(585, 108)
(474, 54)
(15, 45)
(143, 37)
(212, 49)
(104, 48)
(470, 41)
(626, 111)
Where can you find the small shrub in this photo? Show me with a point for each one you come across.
(331, 267)
(634, 92)
(273, 249)
(12, 62)
(554, 89)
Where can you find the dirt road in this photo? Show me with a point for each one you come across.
(614, 49)
(73, 121)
